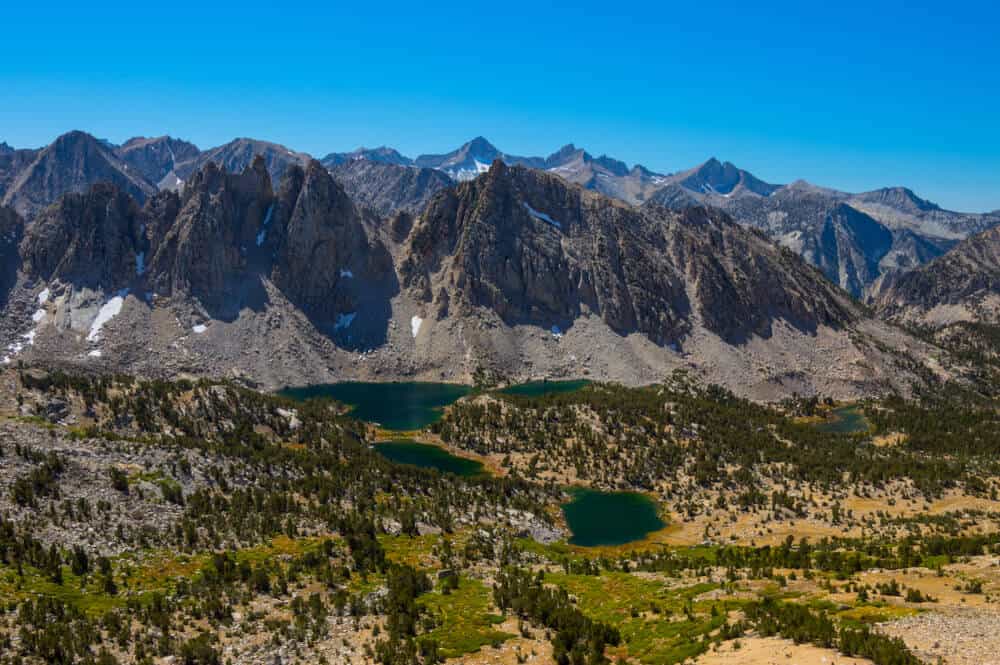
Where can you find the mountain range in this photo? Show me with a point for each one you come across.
(255, 260)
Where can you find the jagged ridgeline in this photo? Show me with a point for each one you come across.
(512, 274)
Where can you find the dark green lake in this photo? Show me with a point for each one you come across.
(428, 457)
(845, 420)
(539, 388)
(609, 518)
(399, 406)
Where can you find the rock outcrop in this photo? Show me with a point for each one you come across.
(72, 163)
(156, 158)
(96, 239)
(387, 188)
(533, 248)
(962, 285)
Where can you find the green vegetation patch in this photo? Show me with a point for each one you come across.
(465, 622)
(657, 624)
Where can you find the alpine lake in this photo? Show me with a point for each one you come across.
(594, 518)
(845, 420)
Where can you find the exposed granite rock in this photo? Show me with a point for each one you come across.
(207, 244)
(388, 187)
(965, 282)
(156, 158)
(535, 249)
(72, 163)
(93, 239)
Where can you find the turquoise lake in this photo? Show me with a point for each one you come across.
(412, 405)
(539, 388)
(398, 406)
(609, 518)
(845, 420)
(428, 457)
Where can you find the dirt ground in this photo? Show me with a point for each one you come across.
(774, 651)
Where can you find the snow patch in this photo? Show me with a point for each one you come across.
(199, 328)
(415, 325)
(140, 263)
(108, 311)
(556, 332)
(263, 229)
(344, 320)
(346, 273)
(96, 353)
(38, 315)
(43, 297)
(541, 216)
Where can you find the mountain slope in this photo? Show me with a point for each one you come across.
(472, 159)
(388, 187)
(12, 163)
(156, 157)
(604, 174)
(234, 157)
(900, 208)
(381, 155)
(516, 274)
(828, 229)
(628, 292)
(962, 285)
(640, 271)
(95, 239)
(724, 179)
(72, 163)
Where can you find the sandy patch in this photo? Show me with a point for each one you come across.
(774, 651)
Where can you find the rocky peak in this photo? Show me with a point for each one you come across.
(95, 239)
(966, 278)
(324, 245)
(72, 163)
(237, 155)
(899, 198)
(381, 155)
(387, 188)
(215, 231)
(613, 166)
(722, 178)
(565, 154)
(156, 157)
(535, 249)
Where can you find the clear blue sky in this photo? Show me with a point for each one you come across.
(851, 95)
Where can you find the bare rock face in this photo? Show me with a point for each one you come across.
(323, 243)
(389, 187)
(235, 157)
(155, 158)
(215, 229)
(96, 239)
(855, 239)
(217, 242)
(11, 230)
(536, 249)
(12, 163)
(72, 163)
(964, 284)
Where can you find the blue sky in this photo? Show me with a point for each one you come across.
(852, 95)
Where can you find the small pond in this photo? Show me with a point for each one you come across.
(609, 518)
(428, 457)
(396, 406)
(845, 420)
